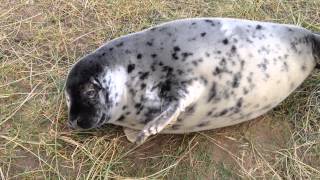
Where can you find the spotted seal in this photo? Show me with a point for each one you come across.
(190, 75)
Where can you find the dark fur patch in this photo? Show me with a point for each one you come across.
(209, 22)
(236, 80)
(130, 68)
(225, 41)
(223, 112)
(175, 126)
(258, 27)
(175, 56)
(213, 91)
(233, 49)
(176, 48)
(203, 124)
(120, 44)
(121, 118)
(144, 75)
(139, 56)
(143, 85)
(315, 40)
(191, 109)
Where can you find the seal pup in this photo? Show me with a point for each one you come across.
(189, 75)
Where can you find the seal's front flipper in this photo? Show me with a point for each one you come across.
(159, 123)
(131, 134)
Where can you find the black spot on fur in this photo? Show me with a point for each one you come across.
(139, 56)
(185, 55)
(143, 85)
(150, 43)
(236, 80)
(225, 41)
(204, 80)
(176, 48)
(195, 63)
(233, 49)
(165, 87)
(223, 112)
(209, 113)
(175, 56)
(239, 103)
(131, 67)
(223, 62)
(167, 69)
(213, 91)
(209, 22)
(124, 107)
(153, 55)
(137, 105)
(203, 124)
(285, 67)
(153, 68)
(191, 109)
(110, 49)
(262, 66)
(203, 34)
(242, 64)
(120, 44)
(144, 75)
(175, 126)
(245, 91)
(187, 81)
(179, 71)
(217, 71)
(194, 23)
(258, 27)
(151, 113)
(121, 118)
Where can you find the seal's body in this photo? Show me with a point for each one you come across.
(191, 75)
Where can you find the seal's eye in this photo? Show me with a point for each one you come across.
(91, 93)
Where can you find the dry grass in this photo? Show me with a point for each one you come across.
(40, 40)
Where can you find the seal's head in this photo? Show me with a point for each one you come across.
(87, 99)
